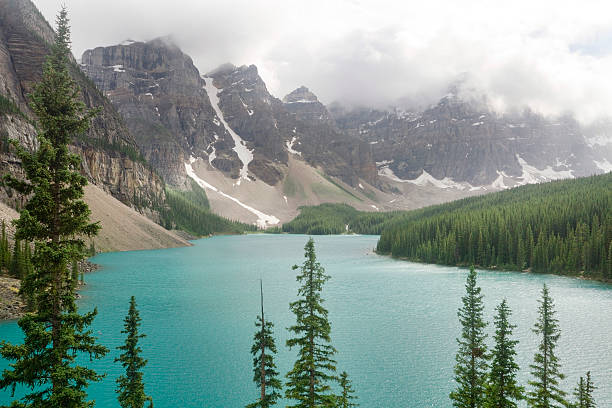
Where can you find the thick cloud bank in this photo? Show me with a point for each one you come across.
(553, 56)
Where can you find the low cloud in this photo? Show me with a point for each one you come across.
(551, 56)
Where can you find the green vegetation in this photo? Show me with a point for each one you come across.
(54, 218)
(559, 227)
(340, 186)
(130, 388)
(327, 219)
(309, 379)
(265, 375)
(9, 107)
(584, 393)
(546, 368)
(479, 385)
(472, 357)
(345, 400)
(189, 211)
(502, 389)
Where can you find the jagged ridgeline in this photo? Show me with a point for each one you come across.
(326, 219)
(561, 227)
(190, 211)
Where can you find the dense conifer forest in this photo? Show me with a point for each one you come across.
(326, 219)
(561, 227)
(190, 211)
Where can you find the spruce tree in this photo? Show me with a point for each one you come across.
(502, 390)
(584, 393)
(471, 366)
(54, 218)
(309, 379)
(130, 386)
(264, 369)
(17, 268)
(545, 392)
(345, 400)
(4, 249)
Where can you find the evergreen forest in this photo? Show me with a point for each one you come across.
(561, 227)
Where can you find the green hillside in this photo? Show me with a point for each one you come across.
(560, 227)
(190, 211)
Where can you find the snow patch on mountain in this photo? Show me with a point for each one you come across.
(532, 175)
(290, 148)
(263, 220)
(424, 179)
(604, 165)
(244, 154)
(499, 181)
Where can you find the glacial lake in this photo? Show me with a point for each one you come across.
(394, 323)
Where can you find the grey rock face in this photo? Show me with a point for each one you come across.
(468, 142)
(109, 150)
(161, 96)
(299, 122)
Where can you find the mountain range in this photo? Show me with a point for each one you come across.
(165, 124)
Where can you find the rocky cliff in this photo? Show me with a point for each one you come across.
(110, 156)
(468, 142)
(161, 96)
(175, 112)
(274, 127)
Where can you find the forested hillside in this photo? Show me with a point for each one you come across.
(326, 219)
(190, 211)
(560, 227)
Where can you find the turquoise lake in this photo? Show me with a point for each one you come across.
(394, 323)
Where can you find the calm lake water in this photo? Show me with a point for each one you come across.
(394, 323)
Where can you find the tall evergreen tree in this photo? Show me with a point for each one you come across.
(5, 255)
(345, 400)
(584, 393)
(471, 366)
(502, 389)
(130, 386)
(545, 392)
(264, 369)
(54, 218)
(309, 379)
(17, 266)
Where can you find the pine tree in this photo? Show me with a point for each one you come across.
(4, 249)
(345, 400)
(308, 380)
(264, 369)
(502, 389)
(545, 391)
(130, 386)
(471, 367)
(53, 218)
(584, 393)
(17, 268)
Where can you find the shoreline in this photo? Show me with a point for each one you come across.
(12, 307)
(562, 275)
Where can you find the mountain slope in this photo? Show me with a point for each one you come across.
(465, 142)
(110, 156)
(562, 226)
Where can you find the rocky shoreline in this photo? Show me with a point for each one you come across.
(12, 306)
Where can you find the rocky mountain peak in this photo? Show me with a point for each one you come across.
(300, 95)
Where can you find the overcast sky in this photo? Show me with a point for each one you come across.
(552, 55)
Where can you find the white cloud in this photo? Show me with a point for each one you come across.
(555, 56)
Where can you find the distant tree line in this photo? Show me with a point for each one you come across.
(330, 219)
(18, 261)
(190, 211)
(560, 227)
